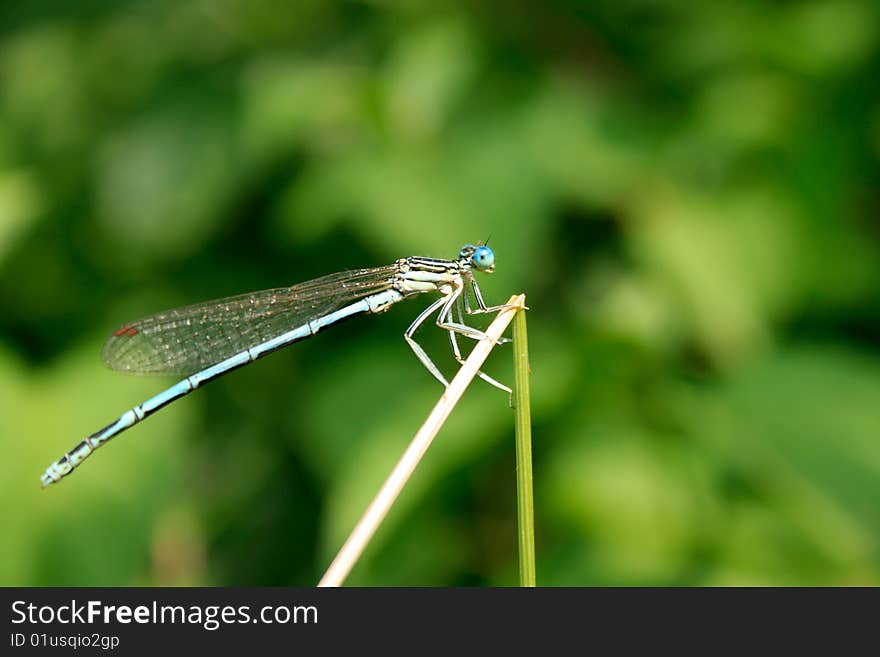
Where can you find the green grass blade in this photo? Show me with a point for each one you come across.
(523, 428)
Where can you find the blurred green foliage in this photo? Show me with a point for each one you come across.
(687, 193)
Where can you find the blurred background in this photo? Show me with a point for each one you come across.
(687, 192)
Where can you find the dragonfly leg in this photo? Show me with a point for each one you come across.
(460, 327)
(417, 348)
(457, 352)
(483, 308)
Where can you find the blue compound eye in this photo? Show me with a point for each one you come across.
(483, 258)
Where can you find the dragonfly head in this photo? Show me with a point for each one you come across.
(480, 258)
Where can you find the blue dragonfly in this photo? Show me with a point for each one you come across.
(206, 340)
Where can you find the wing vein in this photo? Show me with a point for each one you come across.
(187, 339)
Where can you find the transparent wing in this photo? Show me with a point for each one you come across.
(188, 339)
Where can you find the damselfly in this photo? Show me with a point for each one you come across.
(216, 337)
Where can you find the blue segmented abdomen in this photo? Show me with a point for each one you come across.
(67, 463)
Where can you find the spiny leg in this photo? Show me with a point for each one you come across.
(417, 348)
(460, 327)
(478, 295)
(483, 309)
(457, 352)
